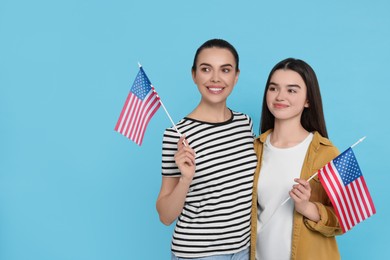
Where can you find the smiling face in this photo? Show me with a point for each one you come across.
(286, 95)
(215, 74)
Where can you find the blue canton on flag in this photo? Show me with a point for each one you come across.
(142, 85)
(347, 167)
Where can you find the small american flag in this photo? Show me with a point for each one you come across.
(347, 189)
(140, 106)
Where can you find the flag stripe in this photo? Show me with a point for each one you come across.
(152, 110)
(343, 192)
(141, 113)
(330, 190)
(134, 121)
(357, 202)
(351, 200)
(118, 126)
(367, 197)
(360, 201)
(340, 196)
(130, 113)
(133, 107)
(130, 124)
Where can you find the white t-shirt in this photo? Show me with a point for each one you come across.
(274, 224)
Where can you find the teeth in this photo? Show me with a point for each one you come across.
(215, 89)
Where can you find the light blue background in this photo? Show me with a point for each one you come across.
(73, 188)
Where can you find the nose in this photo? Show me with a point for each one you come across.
(280, 95)
(215, 77)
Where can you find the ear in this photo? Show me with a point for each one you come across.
(193, 73)
(236, 79)
(307, 104)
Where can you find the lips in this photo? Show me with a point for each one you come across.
(280, 106)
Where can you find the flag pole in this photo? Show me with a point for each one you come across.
(315, 174)
(360, 140)
(166, 111)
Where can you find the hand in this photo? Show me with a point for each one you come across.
(300, 194)
(185, 160)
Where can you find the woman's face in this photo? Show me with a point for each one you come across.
(286, 95)
(215, 74)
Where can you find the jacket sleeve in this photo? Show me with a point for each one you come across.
(328, 225)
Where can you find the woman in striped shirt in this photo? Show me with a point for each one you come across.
(207, 183)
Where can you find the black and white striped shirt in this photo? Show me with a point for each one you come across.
(216, 216)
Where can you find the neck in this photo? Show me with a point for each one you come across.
(287, 134)
(212, 114)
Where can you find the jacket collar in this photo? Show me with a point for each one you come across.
(316, 142)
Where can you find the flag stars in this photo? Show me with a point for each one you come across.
(141, 86)
(348, 167)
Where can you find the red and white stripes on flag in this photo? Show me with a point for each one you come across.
(347, 189)
(140, 106)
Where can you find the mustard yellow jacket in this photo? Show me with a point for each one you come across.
(310, 240)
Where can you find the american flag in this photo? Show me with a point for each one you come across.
(347, 189)
(140, 106)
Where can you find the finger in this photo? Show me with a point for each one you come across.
(184, 160)
(181, 142)
(190, 155)
(301, 188)
(293, 196)
(297, 192)
(185, 153)
(301, 181)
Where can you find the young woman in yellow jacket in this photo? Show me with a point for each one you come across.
(293, 145)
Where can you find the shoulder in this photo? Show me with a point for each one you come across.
(261, 138)
(322, 142)
(171, 132)
(323, 147)
(239, 116)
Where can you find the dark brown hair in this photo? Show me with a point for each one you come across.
(216, 43)
(312, 118)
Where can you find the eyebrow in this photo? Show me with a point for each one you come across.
(289, 85)
(223, 65)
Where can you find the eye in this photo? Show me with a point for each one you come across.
(205, 69)
(271, 88)
(291, 90)
(226, 70)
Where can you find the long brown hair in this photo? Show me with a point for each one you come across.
(312, 118)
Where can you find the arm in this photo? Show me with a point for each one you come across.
(170, 201)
